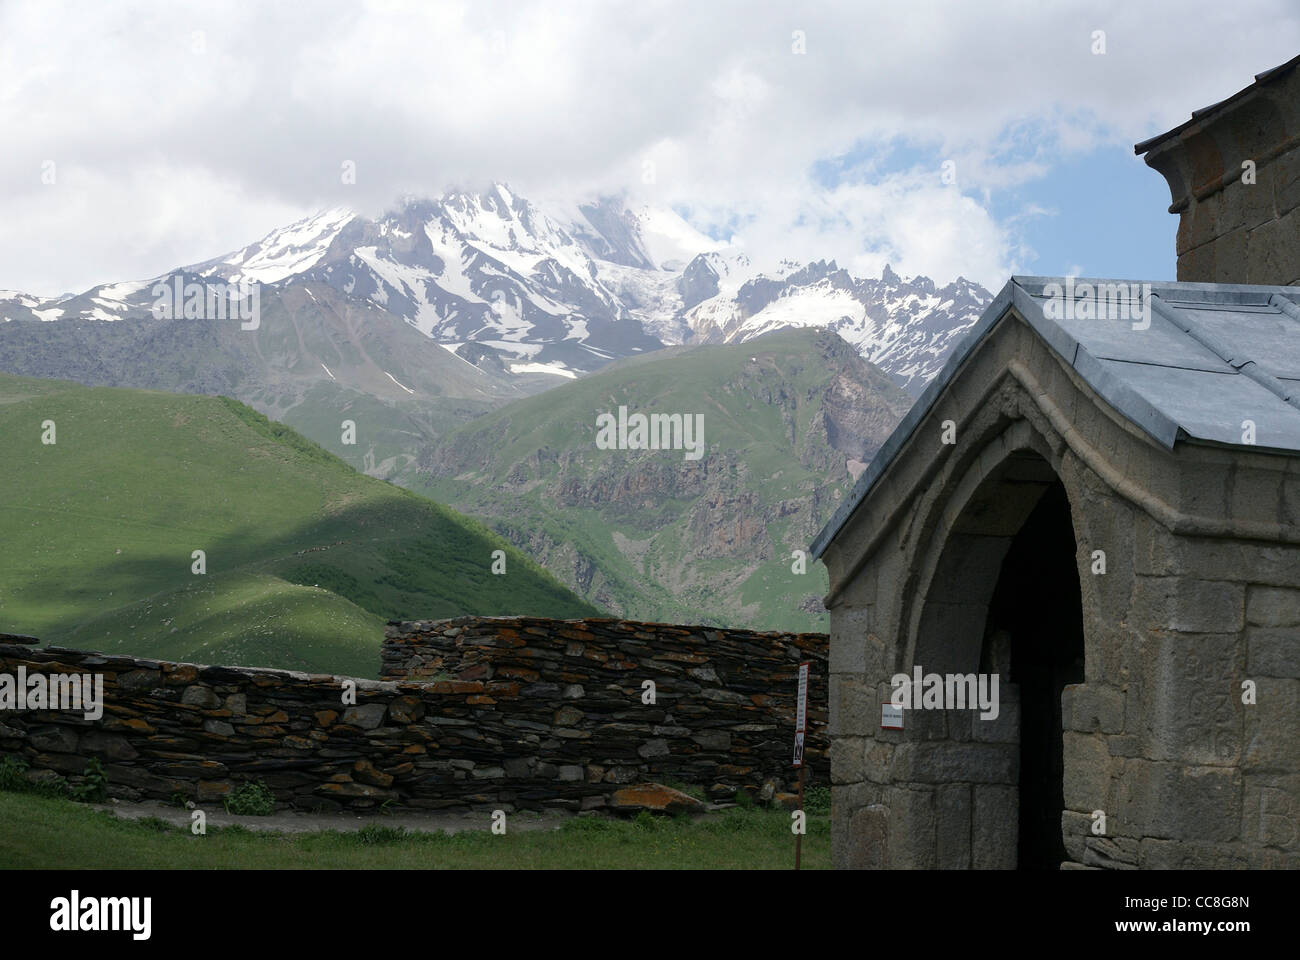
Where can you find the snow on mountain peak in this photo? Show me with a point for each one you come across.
(282, 253)
(562, 289)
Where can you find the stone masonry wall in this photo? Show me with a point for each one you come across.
(724, 699)
(508, 739)
(1237, 225)
(1200, 595)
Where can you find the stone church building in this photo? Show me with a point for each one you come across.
(1097, 503)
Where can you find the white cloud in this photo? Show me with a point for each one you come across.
(168, 155)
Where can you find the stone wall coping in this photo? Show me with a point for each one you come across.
(425, 626)
(100, 658)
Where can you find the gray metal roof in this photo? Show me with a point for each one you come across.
(1212, 356)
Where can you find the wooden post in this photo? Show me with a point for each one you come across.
(800, 725)
(798, 839)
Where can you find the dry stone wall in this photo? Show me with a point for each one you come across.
(723, 714)
(554, 721)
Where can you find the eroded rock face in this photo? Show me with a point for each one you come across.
(651, 535)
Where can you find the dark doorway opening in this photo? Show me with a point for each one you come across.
(1036, 615)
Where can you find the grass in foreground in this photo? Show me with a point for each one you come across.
(44, 832)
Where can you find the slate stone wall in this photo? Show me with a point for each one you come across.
(565, 731)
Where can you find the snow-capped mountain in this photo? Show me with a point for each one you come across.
(905, 327)
(281, 253)
(502, 283)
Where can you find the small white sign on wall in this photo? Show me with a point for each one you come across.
(891, 717)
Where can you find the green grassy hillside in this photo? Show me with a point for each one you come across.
(305, 558)
(650, 534)
(388, 432)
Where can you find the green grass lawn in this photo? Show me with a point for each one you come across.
(39, 832)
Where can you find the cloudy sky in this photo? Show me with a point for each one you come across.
(141, 136)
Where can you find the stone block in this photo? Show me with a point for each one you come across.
(938, 761)
(1161, 553)
(959, 723)
(713, 739)
(1188, 606)
(924, 724)
(1285, 172)
(861, 591)
(1273, 607)
(1199, 224)
(568, 716)
(197, 695)
(1273, 251)
(1271, 725)
(911, 828)
(1157, 854)
(367, 717)
(1088, 771)
(654, 797)
(1189, 709)
(405, 710)
(367, 772)
(1075, 828)
(848, 759)
(55, 739)
(519, 767)
(1273, 652)
(1092, 708)
(859, 834)
(111, 745)
(878, 761)
(1005, 727)
(954, 809)
(1232, 260)
(1197, 265)
(1174, 802)
(1271, 811)
(952, 635)
(1256, 495)
(848, 650)
(1111, 853)
(995, 827)
(139, 679)
(653, 748)
(1246, 205)
(854, 710)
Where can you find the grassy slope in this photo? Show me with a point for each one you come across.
(389, 433)
(760, 425)
(37, 831)
(305, 558)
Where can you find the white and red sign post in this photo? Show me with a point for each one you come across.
(800, 728)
